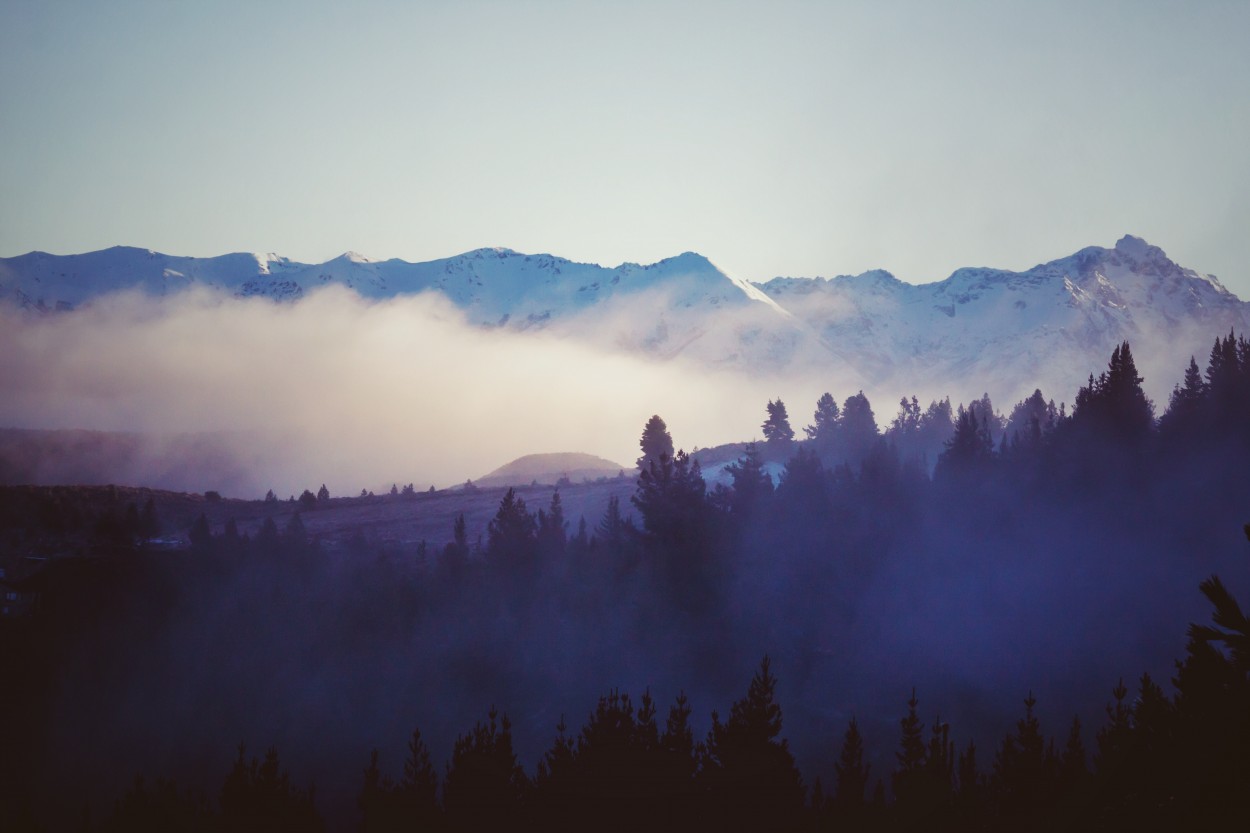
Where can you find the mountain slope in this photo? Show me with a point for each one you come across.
(978, 330)
(1049, 325)
(682, 305)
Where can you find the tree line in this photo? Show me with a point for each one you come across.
(1157, 762)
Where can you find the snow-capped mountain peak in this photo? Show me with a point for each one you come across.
(990, 329)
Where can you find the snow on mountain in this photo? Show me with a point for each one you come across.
(978, 330)
(682, 305)
(994, 330)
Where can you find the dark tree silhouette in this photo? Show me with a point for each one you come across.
(751, 485)
(678, 524)
(485, 787)
(857, 428)
(1031, 419)
(656, 444)
(852, 773)
(1114, 403)
(1020, 766)
(749, 772)
(777, 430)
(909, 772)
(158, 807)
(970, 449)
(258, 796)
(614, 532)
(552, 530)
(824, 428)
(511, 534)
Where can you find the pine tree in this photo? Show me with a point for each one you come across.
(1223, 367)
(1111, 761)
(969, 451)
(678, 524)
(777, 430)
(1031, 419)
(677, 742)
(857, 427)
(484, 787)
(552, 531)
(1212, 709)
(307, 500)
(1072, 767)
(614, 531)
(969, 777)
(1231, 628)
(557, 792)
(939, 765)
(377, 810)
(259, 796)
(852, 772)
(749, 772)
(670, 496)
(511, 534)
(323, 494)
(1114, 403)
(1019, 768)
(824, 427)
(656, 444)
(419, 786)
(752, 486)
(911, 757)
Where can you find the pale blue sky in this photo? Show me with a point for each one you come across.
(779, 138)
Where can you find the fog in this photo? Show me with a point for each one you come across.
(358, 395)
(1057, 567)
(246, 395)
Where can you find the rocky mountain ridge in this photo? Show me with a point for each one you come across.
(987, 329)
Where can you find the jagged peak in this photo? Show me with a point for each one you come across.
(871, 277)
(687, 259)
(493, 251)
(1135, 248)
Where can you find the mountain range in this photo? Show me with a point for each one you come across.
(980, 329)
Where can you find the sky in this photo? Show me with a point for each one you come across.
(785, 138)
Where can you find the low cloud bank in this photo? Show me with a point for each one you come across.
(352, 393)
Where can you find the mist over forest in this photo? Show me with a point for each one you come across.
(247, 395)
(198, 390)
(976, 555)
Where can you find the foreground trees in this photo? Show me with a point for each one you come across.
(792, 572)
(1162, 762)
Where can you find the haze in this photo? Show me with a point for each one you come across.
(354, 394)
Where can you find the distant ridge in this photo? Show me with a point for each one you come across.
(978, 330)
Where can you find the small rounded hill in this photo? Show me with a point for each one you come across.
(550, 468)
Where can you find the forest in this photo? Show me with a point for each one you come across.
(967, 620)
